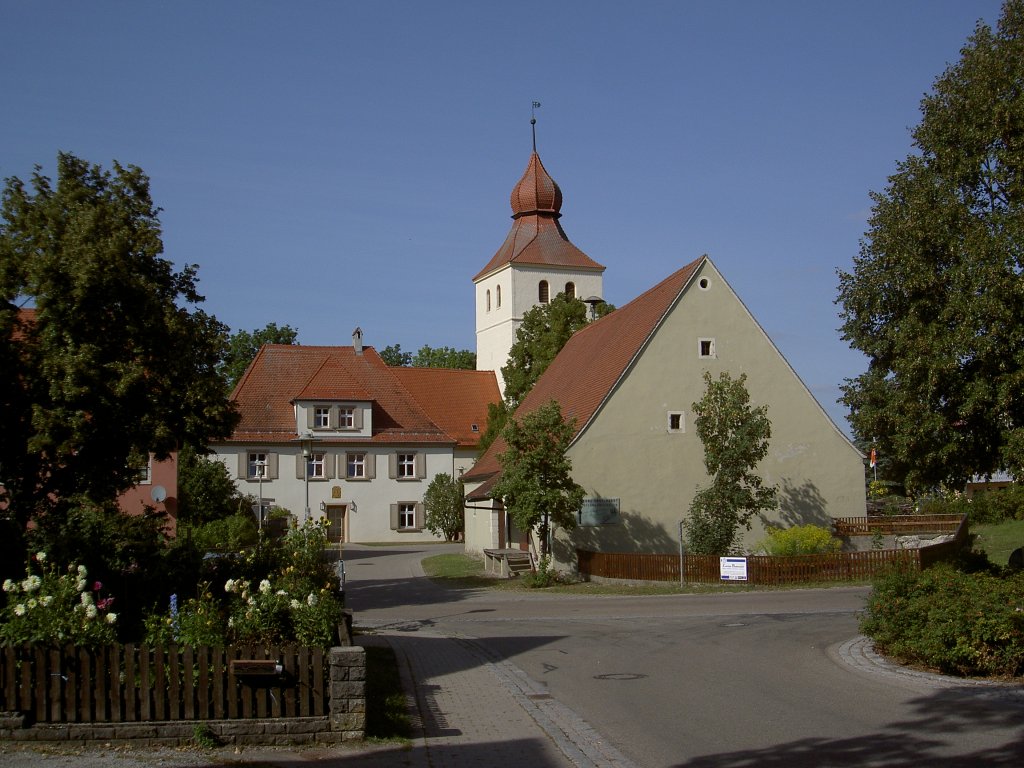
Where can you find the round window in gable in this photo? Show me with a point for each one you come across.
(704, 283)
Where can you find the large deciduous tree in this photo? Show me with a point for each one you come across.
(243, 346)
(936, 296)
(115, 361)
(536, 484)
(735, 438)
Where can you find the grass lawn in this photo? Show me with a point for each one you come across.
(456, 571)
(998, 539)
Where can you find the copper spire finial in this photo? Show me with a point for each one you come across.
(533, 123)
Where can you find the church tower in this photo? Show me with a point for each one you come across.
(534, 264)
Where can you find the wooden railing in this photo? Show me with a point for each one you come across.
(129, 683)
(800, 569)
(896, 524)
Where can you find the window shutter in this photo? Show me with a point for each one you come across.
(421, 465)
(393, 465)
(333, 417)
(271, 466)
(329, 459)
(309, 416)
(394, 517)
(357, 417)
(419, 516)
(370, 464)
(300, 464)
(243, 465)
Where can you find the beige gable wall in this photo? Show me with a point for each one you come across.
(628, 453)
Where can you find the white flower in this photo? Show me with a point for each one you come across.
(82, 573)
(251, 601)
(41, 556)
(19, 610)
(295, 604)
(231, 621)
(265, 586)
(86, 598)
(10, 586)
(111, 618)
(311, 600)
(229, 585)
(80, 585)
(281, 592)
(32, 583)
(91, 612)
(46, 600)
(32, 603)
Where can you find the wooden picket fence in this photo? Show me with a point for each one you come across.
(800, 569)
(135, 683)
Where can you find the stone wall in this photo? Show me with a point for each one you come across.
(346, 721)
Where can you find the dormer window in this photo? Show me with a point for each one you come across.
(321, 418)
(346, 418)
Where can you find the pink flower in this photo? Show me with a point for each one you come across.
(105, 603)
(97, 586)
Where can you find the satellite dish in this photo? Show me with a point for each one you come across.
(158, 494)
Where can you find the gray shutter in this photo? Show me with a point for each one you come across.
(332, 418)
(419, 516)
(271, 468)
(309, 416)
(243, 465)
(370, 463)
(300, 464)
(329, 460)
(393, 465)
(357, 417)
(394, 517)
(343, 466)
(421, 465)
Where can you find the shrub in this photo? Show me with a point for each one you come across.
(800, 540)
(57, 608)
(232, 533)
(957, 623)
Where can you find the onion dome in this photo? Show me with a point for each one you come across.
(536, 192)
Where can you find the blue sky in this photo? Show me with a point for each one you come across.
(334, 164)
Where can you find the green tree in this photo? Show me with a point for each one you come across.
(394, 356)
(243, 346)
(429, 357)
(935, 299)
(206, 491)
(536, 484)
(735, 438)
(444, 357)
(543, 332)
(117, 361)
(444, 504)
(497, 417)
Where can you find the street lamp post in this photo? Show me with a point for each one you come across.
(261, 467)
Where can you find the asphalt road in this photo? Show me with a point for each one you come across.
(729, 680)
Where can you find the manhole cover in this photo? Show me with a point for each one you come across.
(620, 676)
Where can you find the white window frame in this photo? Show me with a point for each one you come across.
(316, 466)
(321, 417)
(706, 348)
(355, 466)
(256, 461)
(406, 515)
(677, 416)
(407, 466)
(346, 417)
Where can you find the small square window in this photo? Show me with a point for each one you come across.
(706, 348)
(676, 422)
(356, 466)
(407, 465)
(257, 466)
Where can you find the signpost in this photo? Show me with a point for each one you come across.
(733, 568)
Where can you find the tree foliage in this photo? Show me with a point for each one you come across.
(206, 490)
(543, 332)
(117, 362)
(936, 296)
(536, 484)
(735, 438)
(444, 505)
(429, 357)
(243, 346)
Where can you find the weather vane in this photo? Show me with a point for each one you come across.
(533, 123)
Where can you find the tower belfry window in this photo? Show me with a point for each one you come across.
(497, 296)
(542, 292)
(488, 300)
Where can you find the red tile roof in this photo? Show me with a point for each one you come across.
(281, 374)
(536, 237)
(455, 400)
(593, 361)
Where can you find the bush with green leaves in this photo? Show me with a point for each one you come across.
(800, 540)
(196, 622)
(969, 624)
(57, 607)
(230, 534)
